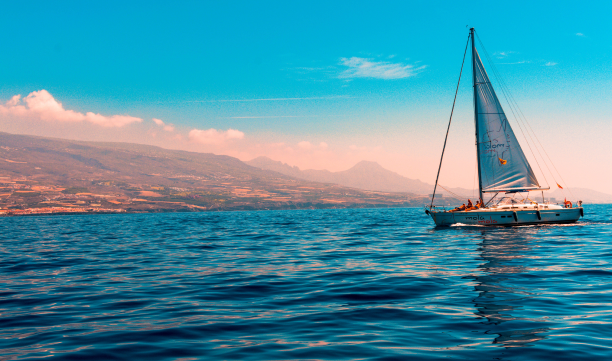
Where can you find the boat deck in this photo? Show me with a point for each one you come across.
(509, 216)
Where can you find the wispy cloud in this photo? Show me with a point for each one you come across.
(517, 62)
(214, 136)
(503, 54)
(41, 105)
(580, 34)
(273, 116)
(268, 99)
(540, 62)
(367, 68)
(306, 145)
(312, 68)
(290, 116)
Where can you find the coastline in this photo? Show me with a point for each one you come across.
(321, 206)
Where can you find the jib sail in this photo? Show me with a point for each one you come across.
(503, 165)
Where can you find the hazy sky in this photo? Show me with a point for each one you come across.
(314, 84)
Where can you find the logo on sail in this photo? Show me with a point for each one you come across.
(502, 161)
(494, 146)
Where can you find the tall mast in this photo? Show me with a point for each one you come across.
(476, 111)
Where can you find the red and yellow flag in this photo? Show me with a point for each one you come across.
(559, 186)
(502, 161)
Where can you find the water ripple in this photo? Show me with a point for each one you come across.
(380, 284)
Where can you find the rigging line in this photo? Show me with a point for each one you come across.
(494, 73)
(543, 149)
(492, 198)
(540, 143)
(454, 194)
(518, 121)
(512, 110)
(506, 92)
(546, 153)
(474, 184)
(521, 117)
(449, 124)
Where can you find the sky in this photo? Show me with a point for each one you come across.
(318, 85)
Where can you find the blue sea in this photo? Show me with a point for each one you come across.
(374, 284)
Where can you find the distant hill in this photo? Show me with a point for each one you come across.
(372, 176)
(583, 194)
(40, 172)
(363, 175)
(68, 162)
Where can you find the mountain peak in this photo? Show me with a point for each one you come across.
(367, 165)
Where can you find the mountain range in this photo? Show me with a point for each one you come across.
(363, 175)
(38, 172)
(583, 194)
(372, 176)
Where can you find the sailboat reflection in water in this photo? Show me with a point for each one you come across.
(507, 298)
(503, 168)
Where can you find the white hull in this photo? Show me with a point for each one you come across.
(486, 217)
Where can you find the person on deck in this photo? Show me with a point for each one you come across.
(462, 208)
(470, 206)
(478, 205)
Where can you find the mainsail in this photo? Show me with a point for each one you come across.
(503, 165)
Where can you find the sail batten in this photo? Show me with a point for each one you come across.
(502, 163)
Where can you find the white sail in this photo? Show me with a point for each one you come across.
(503, 165)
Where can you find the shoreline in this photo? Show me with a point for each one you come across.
(243, 209)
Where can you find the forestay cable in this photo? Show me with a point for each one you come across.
(449, 124)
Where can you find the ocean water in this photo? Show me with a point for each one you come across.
(378, 284)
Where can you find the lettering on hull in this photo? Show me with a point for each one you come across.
(487, 221)
(481, 219)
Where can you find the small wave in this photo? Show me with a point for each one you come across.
(330, 284)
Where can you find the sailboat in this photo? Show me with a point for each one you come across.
(503, 168)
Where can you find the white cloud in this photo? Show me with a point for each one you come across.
(503, 54)
(550, 63)
(517, 62)
(166, 127)
(579, 34)
(305, 145)
(41, 105)
(366, 68)
(213, 136)
(269, 99)
(268, 116)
